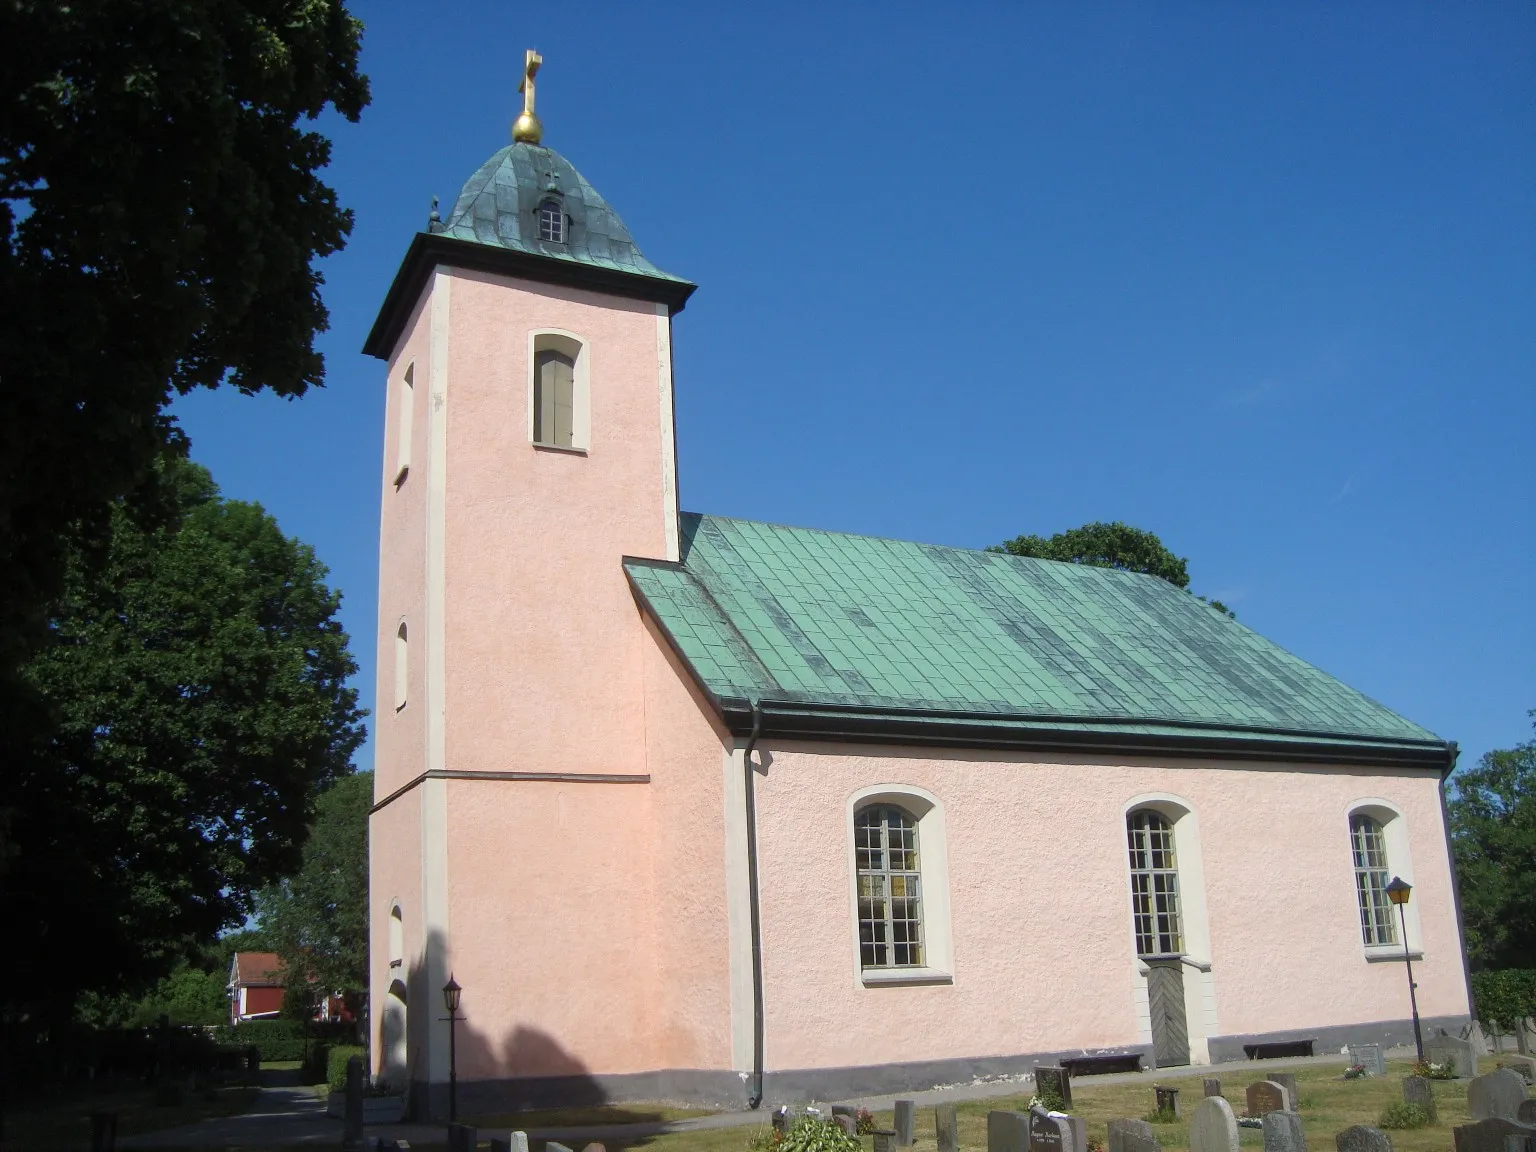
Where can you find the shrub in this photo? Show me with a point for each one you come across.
(1429, 1071)
(864, 1120)
(1356, 1072)
(1401, 1114)
(336, 1065)
(1162, 1116)
(272, 1039)
(810, 1134)
(1505, 996)
(1049, 1099)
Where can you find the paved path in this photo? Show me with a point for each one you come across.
(294, 1117)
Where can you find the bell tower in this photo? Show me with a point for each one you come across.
(528, 448)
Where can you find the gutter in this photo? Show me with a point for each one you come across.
(755, 1094)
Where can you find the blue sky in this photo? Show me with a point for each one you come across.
(1260, 278)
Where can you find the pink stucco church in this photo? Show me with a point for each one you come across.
(710, 810)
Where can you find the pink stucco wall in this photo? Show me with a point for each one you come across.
(1040, 911)
(394, 876)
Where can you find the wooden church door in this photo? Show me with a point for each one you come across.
(1165, 999)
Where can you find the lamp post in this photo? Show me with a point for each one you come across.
(451, 992)
(1397, 892)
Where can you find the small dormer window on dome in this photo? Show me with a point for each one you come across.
(551, 222)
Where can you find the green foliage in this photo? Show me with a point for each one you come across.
(1046, 1096)
(864, 1121)
(318, 918)
(808, 1134)
(272, 1039)
(1401, 1114)
(1504, 997)
(1162, 1116)
(1432, 1071)
(336, 1064)
(189, 996)
(197, 676)
(1493, 829)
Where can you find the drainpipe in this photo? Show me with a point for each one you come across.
(755, 1097)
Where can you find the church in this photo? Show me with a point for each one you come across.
(699, 809)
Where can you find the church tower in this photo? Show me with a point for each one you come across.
(528, 448)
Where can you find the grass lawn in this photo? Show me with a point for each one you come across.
(588, 1116)
(62, 1121)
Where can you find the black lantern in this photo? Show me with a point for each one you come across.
(1398, 891)
(451, 992)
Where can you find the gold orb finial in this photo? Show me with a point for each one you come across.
(526, 129)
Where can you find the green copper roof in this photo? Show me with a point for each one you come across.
(805, 620)
(499, 204)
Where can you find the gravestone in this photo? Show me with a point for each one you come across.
(1007, 1132)
(1477, 1038)
(906, 1123)
(1454, 1051)
(1283, 1133)
(592, 1147)
(352, 1122)
(1214, 1128)
(885, 1140)
(1417, 1090)
(1494, 1135)
(946, 1128)
(1050, 1133)
(1370, 1057)
(515, 1142)
(1265, 1096)
(1132, 1136)
(1212, 1086)
(845, 1110)
(1525, 1035)
(1524, 1066)
(556, 1146)
(1167, 1099)
(1527, 1113)
(461, 1137)
(1363, 1139)
(1057, 1080)
(1498, 1094)
(1287, 1080)
(849, 1124)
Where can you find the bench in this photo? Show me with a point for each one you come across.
(1101, 1065)
(1277, 1048)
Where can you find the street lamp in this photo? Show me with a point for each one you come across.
(451, 991)
(1398, 892)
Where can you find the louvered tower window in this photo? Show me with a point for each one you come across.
(1154, 884)
(554, 382)
(890, 888)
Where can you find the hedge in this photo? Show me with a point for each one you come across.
(1504, 996)
(336, 1065)
(272, 1039)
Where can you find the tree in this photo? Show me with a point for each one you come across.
(199, 678)
(1115, 545)
(317, 919)
(160, 214)
(1493, 830)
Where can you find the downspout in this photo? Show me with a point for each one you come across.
(755, 1096)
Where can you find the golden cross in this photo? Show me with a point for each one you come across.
(526, 129)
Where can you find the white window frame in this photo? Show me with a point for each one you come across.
(1394, 835)
(580, 352)
(933, 863)
(405, 408)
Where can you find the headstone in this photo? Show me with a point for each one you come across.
(1363, 1139)
(516, 1142)
(1494, 1135)
(556, 1146)
(845, 1110)
(1167, 1099)
(1527, 1113)
(592, 1147)
(849, 1124)
(1049, 1132)
(1265, 1096)
(1370, 1057)
(1525, 1066)
(1212, 1086)
(1132, 1136)
(1417, 1090)
(1453, 1051)
(1525, 1035)
(1287, 1080)
(946, 1128)
(1283, 1133)
(352, 1122)
(906, 1123)
(1496, 1095)
(1007, 1132)
(885, 1140)
(1057, 1080)
(1477, 1037)
(1214, 1128)
(461, 1137)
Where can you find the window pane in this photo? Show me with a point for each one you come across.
(1154, 883)
(553, 398)
(890, 884)
(1378, 924)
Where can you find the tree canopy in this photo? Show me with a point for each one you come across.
(1493, 830)
(317, 919)
(160, 215)
(198, 675)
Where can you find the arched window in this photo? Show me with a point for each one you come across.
(402, 667)
(1377, 923)
(552, 222)
(396, 937)
(890, 888)
(554, 386)
(1154, 883)
(403, 415)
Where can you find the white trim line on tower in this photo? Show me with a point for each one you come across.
(434, 799)
(669, 511)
